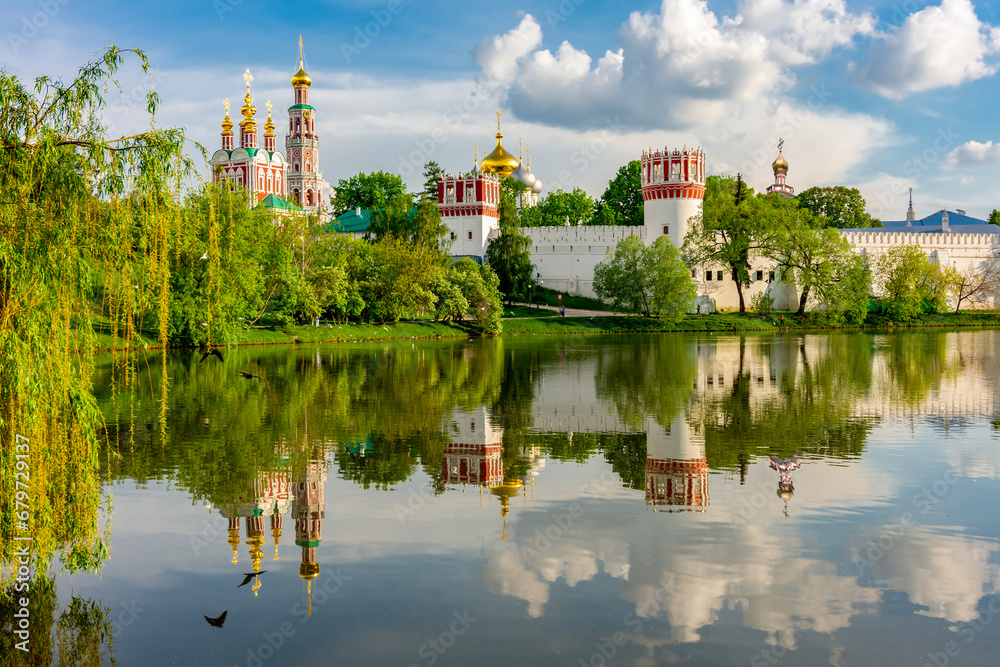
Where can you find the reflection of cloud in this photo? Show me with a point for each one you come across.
(948, 574)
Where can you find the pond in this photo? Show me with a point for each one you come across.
(601, 500)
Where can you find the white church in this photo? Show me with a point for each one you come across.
(673, 190)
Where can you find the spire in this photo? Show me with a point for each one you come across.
(300, 78)
(248, 126)
(910, 215)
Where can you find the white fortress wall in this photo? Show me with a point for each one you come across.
(565, 257)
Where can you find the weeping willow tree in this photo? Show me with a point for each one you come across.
(86, 218)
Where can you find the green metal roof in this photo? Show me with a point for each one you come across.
(274, 201)
(302, 106)
(352, 222)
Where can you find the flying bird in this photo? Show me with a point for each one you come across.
(217, 622)
(211, 353)
(205, 256)
(248, 576)
(249, 376)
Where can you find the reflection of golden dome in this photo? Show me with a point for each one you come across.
(786, 493)
(234, 541)
(781, 163)
(309, 570)
(506, 491)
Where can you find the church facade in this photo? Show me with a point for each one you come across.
(285, 181)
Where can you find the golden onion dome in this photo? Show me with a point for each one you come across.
(780, 164)
(309, 570)
(269, 125)
(499, 161)
(300, 78)
(227, 124)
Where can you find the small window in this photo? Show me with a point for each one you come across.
(453, 236)
(770, 277)
(708, 275)
(666, 229)
(470, 236)
(718, 275)
(692, 273)
(760, 275)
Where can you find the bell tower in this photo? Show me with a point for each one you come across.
(305, 181)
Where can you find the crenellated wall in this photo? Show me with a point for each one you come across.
(565, 257)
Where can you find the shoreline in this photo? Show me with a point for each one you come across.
(554, 326)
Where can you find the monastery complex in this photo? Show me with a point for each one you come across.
(564, 256)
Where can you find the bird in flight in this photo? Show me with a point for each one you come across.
(217, 622)
(211, 353)
(249, 376)
(248, 576)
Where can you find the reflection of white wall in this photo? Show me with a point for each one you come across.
(472, 427)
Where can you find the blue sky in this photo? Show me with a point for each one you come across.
(882, 96)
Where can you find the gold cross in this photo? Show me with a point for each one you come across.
(227, 106)
(498, 117)
(268, 105)
(781, 142)
(300, 47)
(248, 78)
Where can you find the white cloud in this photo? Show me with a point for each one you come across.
(676, 69)
(973, 152)
(939, 46)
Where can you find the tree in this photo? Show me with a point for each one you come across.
(481, 289)
(995, 217)
(818, 260)
(432, 172)
(621, 203)
(419, 224)
(395, 278)
(976, 284)
(908, 282)
(557, 207)
(840, 206)
(371, 191)
(732, 227)
(508, 255)
(653, 280)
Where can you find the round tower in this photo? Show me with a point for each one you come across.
(673, 189)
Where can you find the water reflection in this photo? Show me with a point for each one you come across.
(640, 471)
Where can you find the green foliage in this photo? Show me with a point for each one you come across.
(994, 217)
(394, 279)
(819, 261)
(621, 203)
(81, 210)
(909, 283)
(652, 281)
(480, 287)
(840, 207)
(732, 227)
(762, 303)
(557, 207)
(432, 172)
(371, 191)
(509, 256)
(419, 223)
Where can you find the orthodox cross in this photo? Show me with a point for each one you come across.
(268, 105)
(300, 47)
(781, 143)
(498, 119)
(227, 106)
(248, 78)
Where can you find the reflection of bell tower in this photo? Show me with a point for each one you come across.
(308, 510)
(676, 467)
(472, 455)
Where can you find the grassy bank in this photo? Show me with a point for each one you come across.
(524, 322)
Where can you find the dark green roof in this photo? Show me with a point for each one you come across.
(274, 201)
(301, 106)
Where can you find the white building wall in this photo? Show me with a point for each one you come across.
(565, 257)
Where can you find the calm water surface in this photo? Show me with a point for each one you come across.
(561, 501)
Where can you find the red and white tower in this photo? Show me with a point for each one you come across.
(305, 180)
(468, 205)
(780, 168)
(676, 467)
(473, 453)
(673, 189)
